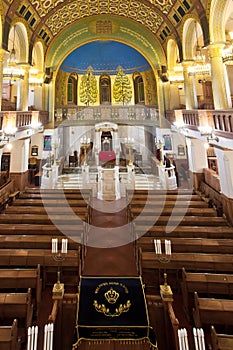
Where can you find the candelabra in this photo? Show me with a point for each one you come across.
(85, 142)
(59, 256)
(129, 143)
(165, 289)
(160, 145)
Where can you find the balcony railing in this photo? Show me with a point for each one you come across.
(22, 120)
(109, 113)
(220, 121)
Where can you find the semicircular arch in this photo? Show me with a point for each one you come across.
(125, 31)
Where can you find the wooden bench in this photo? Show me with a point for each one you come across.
(22, 278)
(221, 341)
(162, 197)
(180, 220)
(205, 284)
(188, 245)
(163, 211)
(70, 266)
(85, 191)
(42, 219)
(51, 202)
(37, 241)
(182, 192)
(17, 305)
(167, 203)
(9, 339)
(75, 230)
(190, 261)
(55, 195)
(13, 196)
(183, 231)
(84, 209)
(152, 268)
(212, 311)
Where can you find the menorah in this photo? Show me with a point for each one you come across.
(85, 143)
(129, 142)
(165, 289)
(59, 256)
(159, 144)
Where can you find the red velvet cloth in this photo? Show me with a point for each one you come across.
(105, 156)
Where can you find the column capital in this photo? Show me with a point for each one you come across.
(25, 66)
(187, 63)
(215, 49)
(2, 54)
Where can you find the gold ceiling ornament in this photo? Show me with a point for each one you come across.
(77, 10)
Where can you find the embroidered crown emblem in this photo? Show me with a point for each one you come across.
(111, 296)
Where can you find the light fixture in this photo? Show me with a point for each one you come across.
(208, 132)
(12, 61)
(12, 72)
(199, 56)
(6, 134)
(200, 66)
(227, 53)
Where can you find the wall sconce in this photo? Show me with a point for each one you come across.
(6, 133)
(208, 132)
(212, 138)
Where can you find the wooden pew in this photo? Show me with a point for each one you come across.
(212, 311)
(221, 341)
(180, 220)
(138, 202)
(51, 195)
(183, 231)
(42, 219)
(17, 305)
(85, 191)
(151, 267)
(205, 284)
(188, 245)
(51, 202)
(72, 230)
(190, 261)
(70, 266)
(135, 192)
(9, 339)
(22, 279)
(30, 241)
(43, 210)
(157, 211)
(160, 197)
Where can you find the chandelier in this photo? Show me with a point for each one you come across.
(227, 54)
(13, 71)
(200, 66)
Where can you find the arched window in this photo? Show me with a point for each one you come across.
(139, 90)
(72, 89)
(105, 90)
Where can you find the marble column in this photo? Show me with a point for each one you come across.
(24, 89)
(2, 52)
(197, 160)
(220, 83)
(189, 86)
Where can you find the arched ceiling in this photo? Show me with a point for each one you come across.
(51, 21)
(104, 57)
(47, 18)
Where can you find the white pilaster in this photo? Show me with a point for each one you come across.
(225, 169)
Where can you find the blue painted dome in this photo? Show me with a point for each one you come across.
(105, 57)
